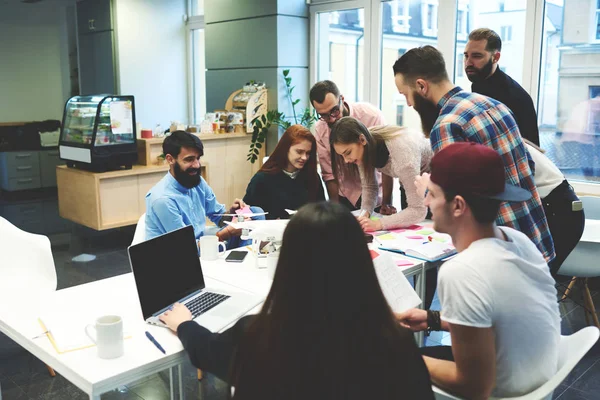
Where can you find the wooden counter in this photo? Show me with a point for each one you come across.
(114, 199)
(109, 199)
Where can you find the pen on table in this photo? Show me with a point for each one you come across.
(149, 336)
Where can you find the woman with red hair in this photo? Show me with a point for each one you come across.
(289, 178)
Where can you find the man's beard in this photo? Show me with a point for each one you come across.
(428, 112)
(345, 112)
(185, 179)
(480, 74)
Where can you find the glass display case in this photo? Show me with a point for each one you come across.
(98, 132)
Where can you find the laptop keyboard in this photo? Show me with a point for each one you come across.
(205, 302)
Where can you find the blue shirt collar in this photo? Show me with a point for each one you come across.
(447, 96)
(176, 185)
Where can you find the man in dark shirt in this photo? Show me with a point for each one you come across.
(481, 65)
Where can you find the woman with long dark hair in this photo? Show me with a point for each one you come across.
(394, 151)
(325, 330)
(289, 178)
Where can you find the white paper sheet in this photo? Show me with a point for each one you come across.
(397, 290)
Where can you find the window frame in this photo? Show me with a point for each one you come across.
(595, 21)
(192, 23)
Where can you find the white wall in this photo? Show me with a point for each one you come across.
(32, 59)
(151, 48)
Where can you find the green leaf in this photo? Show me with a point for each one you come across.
(263, 118)
(258, 145)
(286, 72)
(295, 102)
(261, 139)
(256, 151)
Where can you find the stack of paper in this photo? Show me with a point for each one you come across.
(394, 285)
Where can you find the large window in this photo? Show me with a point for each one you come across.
(569, 92)
(394, 44)
(340, 45)
(196, 62)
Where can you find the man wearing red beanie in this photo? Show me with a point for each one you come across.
(497, 296)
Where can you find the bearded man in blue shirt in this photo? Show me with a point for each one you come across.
(184, 198)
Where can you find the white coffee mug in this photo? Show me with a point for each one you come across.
(210, 247)
(108, 336)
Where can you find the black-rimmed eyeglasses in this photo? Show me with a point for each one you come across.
(334, 112)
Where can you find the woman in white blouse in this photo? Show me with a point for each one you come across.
(563, 208)
(395, 151)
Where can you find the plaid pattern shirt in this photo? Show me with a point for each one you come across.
(471, 117)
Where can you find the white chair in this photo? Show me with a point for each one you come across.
(140, 231)
(591, 206)
(26, 265)
(582, 264)
(571, 351)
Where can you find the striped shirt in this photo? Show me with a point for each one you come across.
(471, 117)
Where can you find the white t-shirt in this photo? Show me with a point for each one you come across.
(506, 285)
(547, 175)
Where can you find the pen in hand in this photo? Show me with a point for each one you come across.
(151, 338)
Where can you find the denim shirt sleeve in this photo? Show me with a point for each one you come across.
(211, 205)
(168, 214)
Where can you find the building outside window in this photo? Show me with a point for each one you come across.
(506, 33)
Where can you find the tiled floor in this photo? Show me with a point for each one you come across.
(22, 376)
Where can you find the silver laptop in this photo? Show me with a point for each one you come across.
(167, 270)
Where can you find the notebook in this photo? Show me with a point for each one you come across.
(426, 251)
(67, 333)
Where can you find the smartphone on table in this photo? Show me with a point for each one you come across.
(236, 256)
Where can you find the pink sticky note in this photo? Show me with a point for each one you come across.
(404, 263)
(400, 230)
(245, 210)
(415, 237)
(374, 254)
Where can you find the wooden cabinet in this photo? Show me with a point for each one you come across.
(117, 198)
(109, 199)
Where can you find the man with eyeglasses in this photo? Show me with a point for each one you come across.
(325, 97)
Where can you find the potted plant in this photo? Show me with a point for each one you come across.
(161, 159)
(262, 124)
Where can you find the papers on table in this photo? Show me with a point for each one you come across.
(291, 212)
(421, 243)
(394, 285)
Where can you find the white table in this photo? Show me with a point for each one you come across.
(252, 278)
(591, 232)
(117, 295)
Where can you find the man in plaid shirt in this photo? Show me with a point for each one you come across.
(449, 114)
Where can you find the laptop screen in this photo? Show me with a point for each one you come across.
(166, 269)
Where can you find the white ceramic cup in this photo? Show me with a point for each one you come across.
(272, 259)
(210, 247)
(108, 336)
